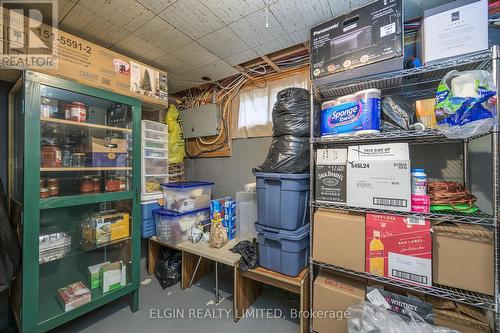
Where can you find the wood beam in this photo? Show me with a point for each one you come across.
(272, 64)
(244, 72)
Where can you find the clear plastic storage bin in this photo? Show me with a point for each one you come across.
(246, 215)
(154, 166)
(187, 196)
(173, 227)
(155, 126)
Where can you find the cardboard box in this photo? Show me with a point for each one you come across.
(379, 177)
(364, 36)
(113, 276)
(94, 275)
(103, 228)
(333, 294)
(460, 317)
(331, 175)
(339, 239)
(455, 245)
(399, 248)
(73, 296)
(108, 153)
(454, 29)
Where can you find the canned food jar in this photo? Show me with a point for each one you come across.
(112, 185)
(123, 182)
(96, 181)
(44, 193)
(78, 160)
(78, 112)
(86, 184)
(52, 182)
(42, 182)
(54, 191)
(51, 156)
(67, 111)
(48, 108)
(66, 156)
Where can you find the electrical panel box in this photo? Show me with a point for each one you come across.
(201, 121)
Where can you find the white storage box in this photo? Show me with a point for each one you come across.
(187, 196)
(173, 227)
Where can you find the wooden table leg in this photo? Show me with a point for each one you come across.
(304, 304)
(152, 254)
(189, 262)
(245, 292)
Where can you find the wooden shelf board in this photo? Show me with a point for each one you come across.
(86, 169)
(89, 125)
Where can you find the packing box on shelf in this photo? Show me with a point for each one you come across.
(399, 247)
(362, 37)
(331, 175)
(103, 228)
(379, 176)
(113, 276)
(73, 296)
(339, 239)
(460, 317)
(455, 245)
(455, 28)
(332, 295)
(108, 153)
(93, 275)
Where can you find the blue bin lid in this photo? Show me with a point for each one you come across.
(171, 213)
(284, 234)
(282, 175)
(188, 184)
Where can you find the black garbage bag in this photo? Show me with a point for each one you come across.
(168, 267)
(287, 154)
(291, 112)
(10, 249)
(398, 111)
(249, 252)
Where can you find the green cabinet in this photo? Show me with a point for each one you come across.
(75, 178)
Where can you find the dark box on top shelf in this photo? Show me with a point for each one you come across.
(108, 153)
(367, 35)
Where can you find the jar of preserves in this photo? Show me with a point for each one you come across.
(123, 182)
(44, 193)
(112, 184)
(42, 182)
(48, 108)
(54, 191)
(96, 181)
(86, 185)
(67, 111)
(78, 112)
(52, 182)
(51, 156)
(66, 153)
(78, 160)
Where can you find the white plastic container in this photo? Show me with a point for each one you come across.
(174, 227)
(246, 215)
(187, 196)
(418, 182)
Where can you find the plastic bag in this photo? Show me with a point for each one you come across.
(398, 111)
(249, 254)
(366, 317)
(168, 267)
(176, 145)
(291, 112)
(287, 154)
(465, 104)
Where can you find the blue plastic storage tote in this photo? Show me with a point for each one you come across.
(282, 200)
(285, 252)
(148, 226)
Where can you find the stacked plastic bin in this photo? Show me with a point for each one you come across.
(283, 221)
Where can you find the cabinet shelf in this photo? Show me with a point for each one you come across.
(453, 294)
(62, 169)
(88, 125)
(478, 218)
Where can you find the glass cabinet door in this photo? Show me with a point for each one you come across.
(85, 144)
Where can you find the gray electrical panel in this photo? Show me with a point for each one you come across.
(201, 121)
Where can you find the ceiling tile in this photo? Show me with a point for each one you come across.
(229, 10)
(217, 70)
(127, 14)
(191, 79)
(298, 14)
(252, 29)
(241, 57)
(195, 55)
(273, 46)
(174, 87)
(339, 7)
(172, 64)
(85, 24)
(152, 40)
(223, 42)
(64, 7)
(192, 18)
(156, 6)
(300, 36)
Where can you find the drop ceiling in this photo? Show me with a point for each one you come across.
(194, 38)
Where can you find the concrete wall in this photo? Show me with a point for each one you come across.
(230, 174)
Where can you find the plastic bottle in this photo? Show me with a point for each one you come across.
(376, 254)
(418, 182)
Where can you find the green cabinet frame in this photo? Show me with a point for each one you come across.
(27, 289)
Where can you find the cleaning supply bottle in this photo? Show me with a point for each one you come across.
(376, 254)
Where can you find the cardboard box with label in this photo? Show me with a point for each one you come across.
(108, 153)
(332, 295)
(399, 248)
(113, 276)
(367, 35)
(103, 228)
(94, 275)
(339, 239)
(379, 176)
(457, 245)
(455, 28)
(331, 175)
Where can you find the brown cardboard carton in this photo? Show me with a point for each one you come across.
(332, 295)
(339, 239)
(454, 246)
(460, 317)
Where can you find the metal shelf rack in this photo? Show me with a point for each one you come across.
(415, 83)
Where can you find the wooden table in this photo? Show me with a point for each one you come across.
(248, 286)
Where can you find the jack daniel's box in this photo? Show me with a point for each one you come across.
(331, 175)
(349, 45)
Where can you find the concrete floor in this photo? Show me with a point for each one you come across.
(116, 316)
